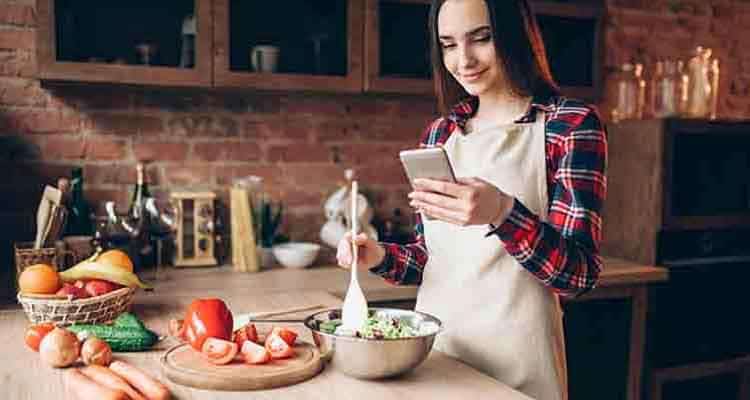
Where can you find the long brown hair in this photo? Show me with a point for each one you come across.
(519, 48)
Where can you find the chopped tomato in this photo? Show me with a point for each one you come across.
(207, 318)
(219, 351)
(255, 353)
(35, 334)
(278, 347)
(287, 334)
(247, 332)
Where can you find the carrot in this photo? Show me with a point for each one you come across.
(83, 388)
(150, 387)
(108, 378)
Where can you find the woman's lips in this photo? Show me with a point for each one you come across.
(472, 77)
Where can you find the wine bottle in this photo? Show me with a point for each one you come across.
(137, 210)
(79, 211)
(140, 220)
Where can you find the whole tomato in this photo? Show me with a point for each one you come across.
(35, 334)
(207, 318)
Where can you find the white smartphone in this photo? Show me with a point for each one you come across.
(430, 163)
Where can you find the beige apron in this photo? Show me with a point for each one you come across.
(497, 316)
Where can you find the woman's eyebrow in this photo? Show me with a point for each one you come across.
(469, 33)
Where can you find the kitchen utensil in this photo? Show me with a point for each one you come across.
(50, 198)
(355, 304)
(242, 319)
(55, 225)
(296, 254)
(183, 365)
(376, 358)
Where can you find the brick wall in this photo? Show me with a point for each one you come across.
(299, 143)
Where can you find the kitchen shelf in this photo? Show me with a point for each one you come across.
(93, 41)
(293, 27)
(350, 46)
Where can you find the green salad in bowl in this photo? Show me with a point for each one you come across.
(377, 326)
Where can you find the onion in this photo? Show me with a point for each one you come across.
(59, 348)
(96, 351)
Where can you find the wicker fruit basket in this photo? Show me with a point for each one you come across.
(64, 312)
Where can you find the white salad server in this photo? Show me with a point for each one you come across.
(354, 311)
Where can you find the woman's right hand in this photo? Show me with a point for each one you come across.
(370, 252)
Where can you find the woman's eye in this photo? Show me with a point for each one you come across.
(485, 38)
(448, 45)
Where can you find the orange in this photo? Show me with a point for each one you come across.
(117, 258)
(39, 279)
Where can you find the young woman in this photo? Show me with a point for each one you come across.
(522, 226)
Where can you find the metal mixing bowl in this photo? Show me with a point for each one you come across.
(376, 358)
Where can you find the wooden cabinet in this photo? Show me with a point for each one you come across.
(318, 44)
(378, 46)
(92, 41)
(573, 34)
(397, 47)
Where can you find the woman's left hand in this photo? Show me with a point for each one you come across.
(471, 201)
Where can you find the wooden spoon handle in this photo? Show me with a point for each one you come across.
(267, 314)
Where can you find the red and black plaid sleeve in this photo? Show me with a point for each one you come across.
(403, 264)
(563, 252)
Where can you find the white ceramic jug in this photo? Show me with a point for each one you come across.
(338, 213)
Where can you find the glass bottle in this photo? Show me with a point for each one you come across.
(79, 211)
(140, 194)
(630, 92)
(699, 84)
(683, 86)
(666, 89)
(640, 96)
(139, 219)
(714, 103)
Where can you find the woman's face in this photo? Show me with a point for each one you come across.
(468, 50)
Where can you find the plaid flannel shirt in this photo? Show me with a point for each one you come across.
(563, 252)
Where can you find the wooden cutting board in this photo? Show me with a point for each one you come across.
(183, 365)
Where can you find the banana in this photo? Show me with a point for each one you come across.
(107, 272)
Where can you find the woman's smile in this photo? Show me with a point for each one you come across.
(472, 76)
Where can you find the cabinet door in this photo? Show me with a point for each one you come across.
(289, 44)
(572, 35)
(397, 56)
(137, 42)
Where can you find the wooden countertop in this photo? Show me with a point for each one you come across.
(335, 280)
(439, 377)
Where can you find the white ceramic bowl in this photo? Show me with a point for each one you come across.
(296, 254)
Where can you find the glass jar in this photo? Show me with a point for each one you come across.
(699, 84)
(666, 89)
(631, 93)
(714, 72)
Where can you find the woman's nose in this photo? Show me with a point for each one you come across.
(466, 56)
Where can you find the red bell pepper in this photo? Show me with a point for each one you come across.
(207, 318)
